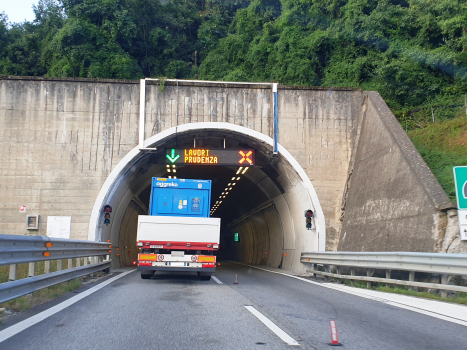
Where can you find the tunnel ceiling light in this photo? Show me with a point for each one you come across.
(168, 170)
(175, 177)
(168, 166)
(175, 170)
(223, 196)
(230, 189)
(223, 193)
(233, 178)
(173, 166)
(239, 169)
(245, 170)
(220, 202)
(226, 193)
(229, 184)
(238, 178)
(234, 184)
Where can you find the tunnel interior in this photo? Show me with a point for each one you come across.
(264, 204)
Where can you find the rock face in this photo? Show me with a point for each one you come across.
(452, 242)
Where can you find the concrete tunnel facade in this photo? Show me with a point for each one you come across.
(266, 207)
(70, 145)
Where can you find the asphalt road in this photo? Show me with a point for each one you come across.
(182, 312)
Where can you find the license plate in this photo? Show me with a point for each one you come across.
(177, 264)
(156, 246)
(154, 264)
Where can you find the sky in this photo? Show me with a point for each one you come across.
(18, 10)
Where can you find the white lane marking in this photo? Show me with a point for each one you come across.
(391, 299)
(31, 321)
(217, 280)
(268, 323)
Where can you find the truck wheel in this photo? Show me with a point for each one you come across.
(205, 276)
(146, 274)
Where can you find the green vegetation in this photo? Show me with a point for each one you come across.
(42, 296)
(458, 298)
(443, 145)
(22, 269)
(413, 52)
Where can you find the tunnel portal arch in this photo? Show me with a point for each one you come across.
(119, 190)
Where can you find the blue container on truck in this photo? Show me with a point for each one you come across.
(178, 234)
(180, 197)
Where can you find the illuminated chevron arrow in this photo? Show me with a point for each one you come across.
(173, 158)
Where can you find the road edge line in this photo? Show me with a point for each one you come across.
(363, 295)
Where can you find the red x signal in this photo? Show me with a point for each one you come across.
(246, 157)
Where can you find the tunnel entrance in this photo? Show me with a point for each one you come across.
(264, 204)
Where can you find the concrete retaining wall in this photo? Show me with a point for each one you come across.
(62, 137)
(393, 201)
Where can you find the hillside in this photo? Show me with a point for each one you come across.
(442, 146)
(413, 52)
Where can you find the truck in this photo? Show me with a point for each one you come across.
(178, 234)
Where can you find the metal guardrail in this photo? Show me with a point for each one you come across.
(446, 265)
(31, 249)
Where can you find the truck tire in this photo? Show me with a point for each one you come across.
(146, 274)
(205, 276)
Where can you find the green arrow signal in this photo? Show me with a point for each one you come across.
(174, 158)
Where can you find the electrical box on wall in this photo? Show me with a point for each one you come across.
(32, 222)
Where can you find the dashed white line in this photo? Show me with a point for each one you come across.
(268, 323)
(31, 321)
(217, 280)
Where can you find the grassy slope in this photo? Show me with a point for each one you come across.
(442, 146)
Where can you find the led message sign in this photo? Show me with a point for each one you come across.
(241, 157)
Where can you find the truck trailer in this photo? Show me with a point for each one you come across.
(178, 234)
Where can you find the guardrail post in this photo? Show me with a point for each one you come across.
(78, 262)
(13, 269)
(338, 270)
(388, 277)
(85, 262)
(327, 268)
(47, 266)
(32, 269)
(59, 265)
(412, 279)
(369, 273)
(352, 273)
(70, 263)
(445, 279)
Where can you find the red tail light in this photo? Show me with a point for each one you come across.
(144, 263)
(209, 265)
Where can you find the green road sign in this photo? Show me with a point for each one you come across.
(236, 237)
(460, 179)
